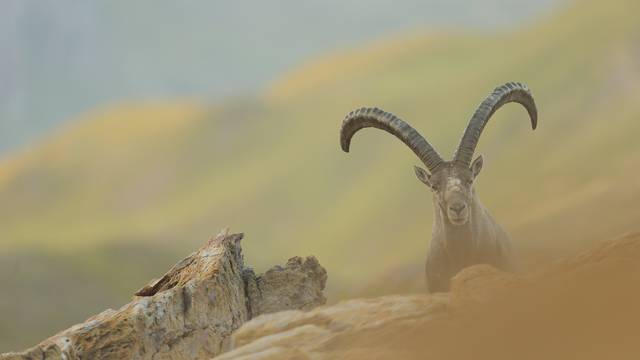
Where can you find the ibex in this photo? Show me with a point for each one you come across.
(464, 232)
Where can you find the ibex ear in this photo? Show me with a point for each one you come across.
(423, 175)
(476, 166)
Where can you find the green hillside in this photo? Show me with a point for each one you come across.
(155, 180)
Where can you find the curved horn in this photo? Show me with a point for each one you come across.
(374, 117)
(509, 92)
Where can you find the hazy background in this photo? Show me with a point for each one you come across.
(61, 58)
(131, 132)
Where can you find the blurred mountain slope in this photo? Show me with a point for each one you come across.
(62, 57)
(158, 179)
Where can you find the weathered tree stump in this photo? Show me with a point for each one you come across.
(190, 312)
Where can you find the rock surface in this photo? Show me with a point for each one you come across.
(326, 331)
(191, 311)
(581, 308)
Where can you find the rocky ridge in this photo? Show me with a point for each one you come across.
(584, 307)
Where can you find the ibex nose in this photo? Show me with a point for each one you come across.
(457, 207)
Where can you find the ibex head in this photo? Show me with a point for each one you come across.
(452, 188)
(450, 181)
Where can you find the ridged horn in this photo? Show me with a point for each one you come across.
(509, 92)
(377, 118)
